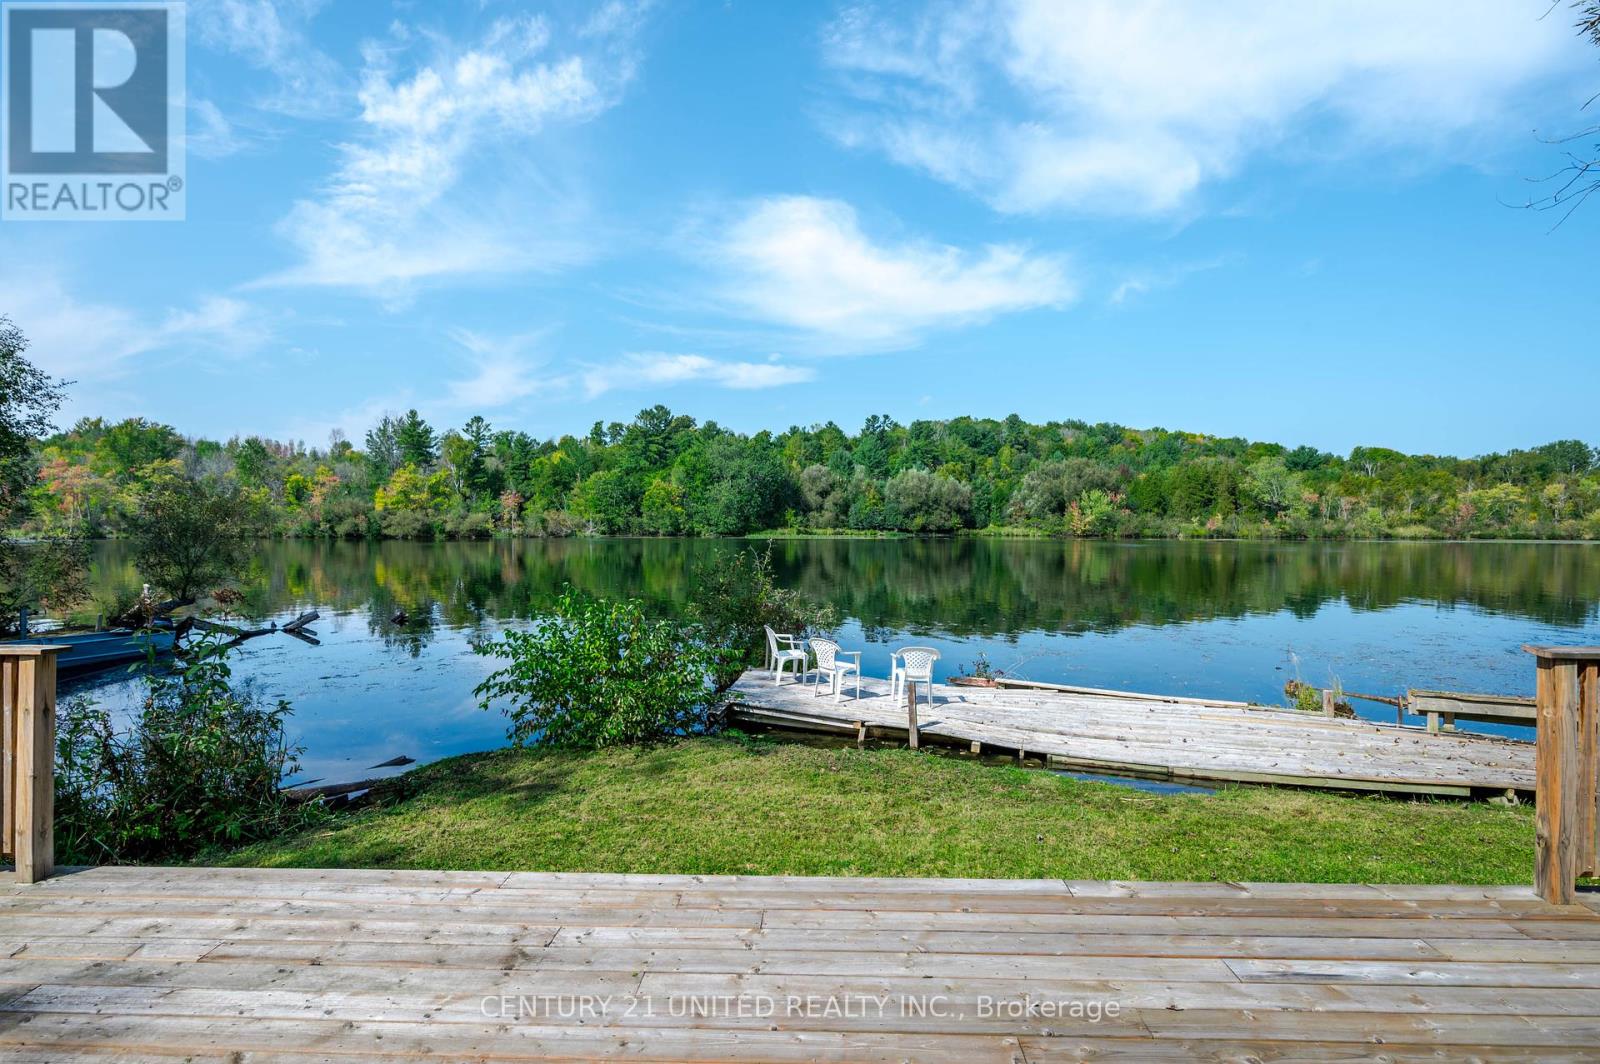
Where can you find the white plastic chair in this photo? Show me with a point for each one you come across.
(914, 665)
(782, 649)
(829, 665)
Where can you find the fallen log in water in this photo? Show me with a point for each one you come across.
(238, 635)
(296, 627)
(330, 790)
(301, 621)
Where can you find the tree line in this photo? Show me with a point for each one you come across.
(667, 474)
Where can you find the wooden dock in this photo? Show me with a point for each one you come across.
(1177, 739)
(257, 965)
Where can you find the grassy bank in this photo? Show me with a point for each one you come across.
(731, 805)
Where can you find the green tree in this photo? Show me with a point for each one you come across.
(42, 573)
(926, 502)
(29, 398)
(129, 448)
(383, 448)
(415, 440)
(253, 462)
(191, 534)
(661, 510)
(1272, 487)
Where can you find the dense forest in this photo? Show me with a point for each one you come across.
(666, 474)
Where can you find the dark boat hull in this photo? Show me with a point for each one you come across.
(97, 650)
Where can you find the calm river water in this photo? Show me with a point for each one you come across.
(1227, 620)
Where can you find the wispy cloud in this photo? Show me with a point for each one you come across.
(502, 371)
(657, 368)
(412, 199)
(1122, 107)
(209, 134)
(805, 263)
(70, 336)
(101, 345)
(270, 35)
(1152, 278)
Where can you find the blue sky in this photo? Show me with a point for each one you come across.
(1276, 220)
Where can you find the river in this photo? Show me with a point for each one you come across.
(1219, 619)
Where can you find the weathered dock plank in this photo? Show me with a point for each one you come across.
(1185, 740)
(300, 965)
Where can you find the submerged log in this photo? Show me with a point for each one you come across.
(301, 621)
(329, 790)
(238, 635)
(296, 628)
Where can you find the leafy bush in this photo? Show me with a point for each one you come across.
(202, 763)
(596, 673)
(733, 599)
(189, 534)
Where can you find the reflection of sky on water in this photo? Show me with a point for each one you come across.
(373, 691)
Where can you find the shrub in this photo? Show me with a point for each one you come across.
(596, 673)
(733, 599)
(473, 525)
(201, 763)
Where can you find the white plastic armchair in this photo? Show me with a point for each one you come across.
(781, 651)
(829, 664)
(913, 664)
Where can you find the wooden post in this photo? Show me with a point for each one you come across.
(27, 765)
(911, 711)
(1327, 701)
(1566, 766)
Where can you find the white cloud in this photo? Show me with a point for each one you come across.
(270, 36)
(403, 206)
(99, 345)
(658, 369)
(77, 338)
(805, 263)
(1150, 279)
(219, 323)
(209, 134)
(502, 374)
(1131, 106)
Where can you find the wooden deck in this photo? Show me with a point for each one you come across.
(1180, 739)
(279, 965)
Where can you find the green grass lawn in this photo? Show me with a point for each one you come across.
(737, 805)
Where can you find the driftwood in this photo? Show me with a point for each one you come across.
(301, 621)
(329, 790)
(238, 635)
(296, 627)
(142, 612)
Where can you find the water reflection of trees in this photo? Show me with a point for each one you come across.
(956, 586)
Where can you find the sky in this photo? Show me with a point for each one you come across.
(1290, 222)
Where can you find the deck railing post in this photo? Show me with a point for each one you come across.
(1566, 769)
(27, 758)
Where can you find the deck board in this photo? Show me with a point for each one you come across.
(292, 965)
(1183, 740)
